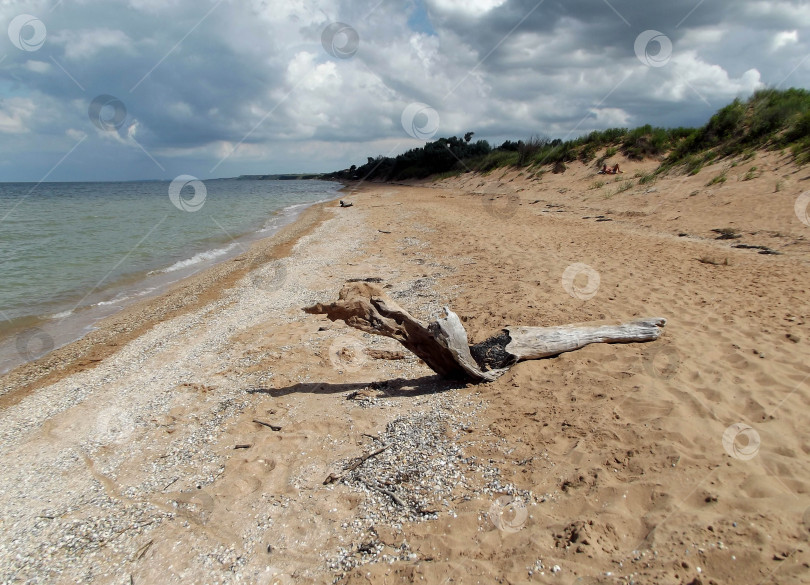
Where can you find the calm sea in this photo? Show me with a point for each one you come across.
(72, 253)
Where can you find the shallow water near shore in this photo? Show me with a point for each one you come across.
(73, 253)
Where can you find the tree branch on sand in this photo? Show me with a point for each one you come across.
(443, 343)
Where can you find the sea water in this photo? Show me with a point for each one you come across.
(71, 253)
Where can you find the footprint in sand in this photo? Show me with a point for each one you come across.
(661, 362)
(501, 207)
(196, 506)
(642, 411)
(267, 274)
(258, 467)
(347, 353)
(113, 425)
(108, 425)
(240, 486)
(71, 426)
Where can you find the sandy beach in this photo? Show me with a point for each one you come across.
(190, 438)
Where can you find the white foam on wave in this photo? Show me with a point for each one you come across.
(118, 299)
(198, 258)
(125, 296)
(287, 214)
(61, 315)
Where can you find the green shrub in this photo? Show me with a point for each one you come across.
(775, 110)
(528, 150)
(588, 153)
(694, 164)
(799, 129)
(646, 141)
(625, 186)
(495, 160)
(801, 151)
(647, 179)
(599, 138)
(726, 123)
(770, 118)
(447, 175)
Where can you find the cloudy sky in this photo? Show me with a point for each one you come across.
(151, 89)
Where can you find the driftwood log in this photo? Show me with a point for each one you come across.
(443, 343)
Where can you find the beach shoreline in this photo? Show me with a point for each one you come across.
(111, 332)
(48, 307)
(199, 448)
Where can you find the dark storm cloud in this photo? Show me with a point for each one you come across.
(246, 87)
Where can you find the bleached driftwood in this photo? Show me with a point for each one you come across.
(443, 344)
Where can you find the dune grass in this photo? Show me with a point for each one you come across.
(770, 119)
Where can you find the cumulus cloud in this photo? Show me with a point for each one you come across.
(785, 38)
(14, 115)
(466, 7)
(225, 88)
(88, 43)
(775, 13)
(37, 66)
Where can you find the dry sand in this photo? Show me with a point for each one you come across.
(132, 456)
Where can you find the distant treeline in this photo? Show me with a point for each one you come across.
(287, 177)
(770, 118)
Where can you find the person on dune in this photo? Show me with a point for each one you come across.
(614, 170)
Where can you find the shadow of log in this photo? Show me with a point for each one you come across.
(387, 389)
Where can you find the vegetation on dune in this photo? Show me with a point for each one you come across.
(770, 119)
(440, 157)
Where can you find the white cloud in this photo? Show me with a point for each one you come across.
(694, 79)
(38, 66)
(797, 14)
(784, 39)
(256, 70)
(473, 8)
(611, 117)
(154, 6)
(86, 44)
(700, 37)
(298, 11)
(15, 113)
(180, 110)
(76, 135)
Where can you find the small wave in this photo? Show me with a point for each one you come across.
(115, 301)
(271, 225)
(286, 214)
(198, 258)
(61, 315)
(125, 296)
